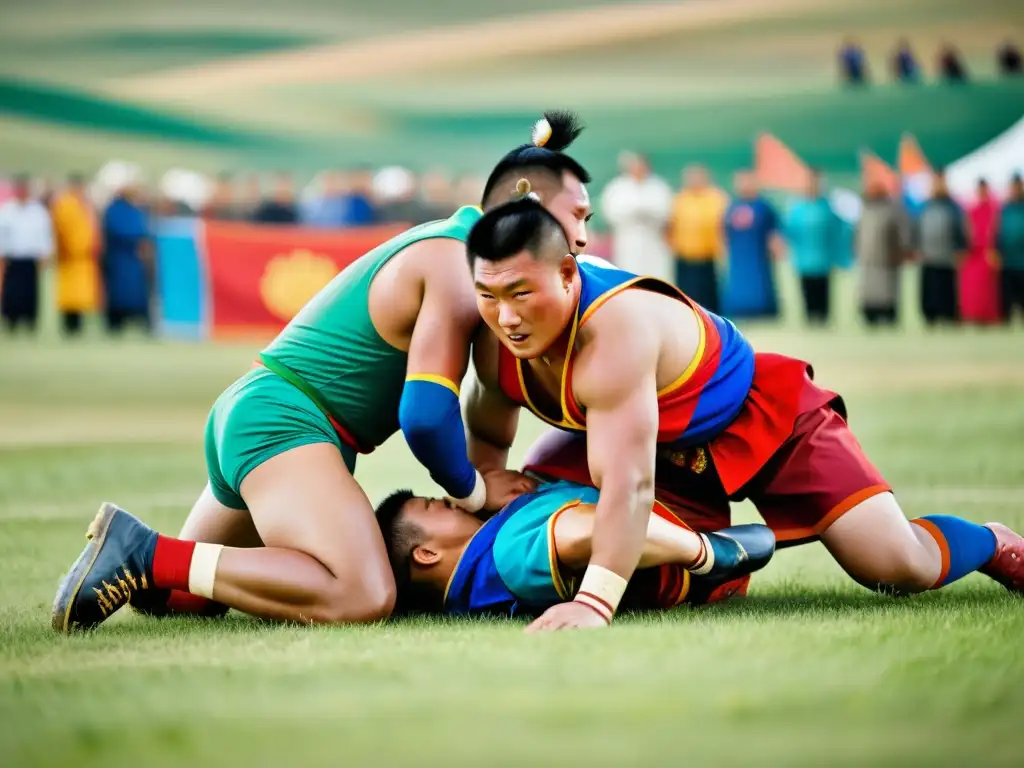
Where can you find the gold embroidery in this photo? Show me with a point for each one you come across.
(676, 457)
(699, 460)
(694, 459)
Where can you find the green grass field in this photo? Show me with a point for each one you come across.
(808, 670)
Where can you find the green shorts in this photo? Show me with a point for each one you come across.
(256, 418)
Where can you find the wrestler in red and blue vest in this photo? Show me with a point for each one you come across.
(696, 407)
(733, 425)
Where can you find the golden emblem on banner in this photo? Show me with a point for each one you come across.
(291, 279)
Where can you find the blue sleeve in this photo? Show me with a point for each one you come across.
(431, 422)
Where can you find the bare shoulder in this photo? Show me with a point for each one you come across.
(624, 314)
(437, 255)
(445, 271)
(435, 268)
(428, 279)
(618, 351)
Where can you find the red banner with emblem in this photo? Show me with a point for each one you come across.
(259, 277)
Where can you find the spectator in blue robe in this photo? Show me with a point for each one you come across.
(751, 236)
(127, 263)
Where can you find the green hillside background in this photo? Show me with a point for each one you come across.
(74, 93)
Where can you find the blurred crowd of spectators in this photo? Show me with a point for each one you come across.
(905, 67)
(101, 246)
(722, 249)
(338, 198)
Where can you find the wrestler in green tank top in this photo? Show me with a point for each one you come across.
(333, 353)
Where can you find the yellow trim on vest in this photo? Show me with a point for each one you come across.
(434, 378)
(698, 356)
(565, 421)
(563, 382)
(556, 573)
(613, 291)
(701, 342)
(686, 588)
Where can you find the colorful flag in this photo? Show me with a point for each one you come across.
(912, 161)
(873, 169)
(229, 280)
(778, 167)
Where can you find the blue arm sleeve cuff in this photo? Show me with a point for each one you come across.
(431, 421)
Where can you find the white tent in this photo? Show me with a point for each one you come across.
(995, 162)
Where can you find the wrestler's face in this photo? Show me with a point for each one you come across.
(527, 301)
(447, 530)
(571, 206)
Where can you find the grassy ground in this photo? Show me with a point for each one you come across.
(808, 670)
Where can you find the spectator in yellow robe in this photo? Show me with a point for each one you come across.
(695, 234)
(76, 231)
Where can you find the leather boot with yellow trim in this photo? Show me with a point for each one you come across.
(115, 565)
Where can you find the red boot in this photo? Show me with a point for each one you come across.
(1007, 564)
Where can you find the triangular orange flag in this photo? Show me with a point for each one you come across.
(777, 166)
(911, 159)
(873, 168)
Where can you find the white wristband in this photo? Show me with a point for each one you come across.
(476, 500)
(601, 590)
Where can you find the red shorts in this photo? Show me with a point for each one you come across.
(817, 474)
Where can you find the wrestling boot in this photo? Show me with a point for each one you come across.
(738, 552)
(160, 603)
(115, 566)
(1007, 564)
(151, 602)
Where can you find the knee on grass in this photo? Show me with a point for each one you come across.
(903, 570)
(355, 601)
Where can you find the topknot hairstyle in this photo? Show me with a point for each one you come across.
(551, 136)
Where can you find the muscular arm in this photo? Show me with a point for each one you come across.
(491, 417)
(429, 412)
(615, 380)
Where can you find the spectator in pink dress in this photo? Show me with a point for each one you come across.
(979, 276)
